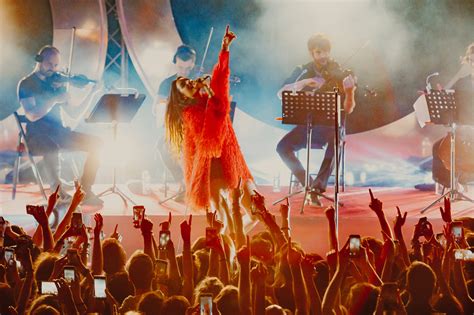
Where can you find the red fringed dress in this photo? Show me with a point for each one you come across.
(208, 135)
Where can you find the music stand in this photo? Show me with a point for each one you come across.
(310, 108)
(114, 109)
(444, 110)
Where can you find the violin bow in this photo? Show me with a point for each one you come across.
(201, 68)
(355, 53)
(71, 54)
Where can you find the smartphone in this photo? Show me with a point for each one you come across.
(205, 304)
(211, 237)
(161, 267)
(441, 239)
(164, 239)
(48, 287)
(76, 221)
(69, 273)
(459, 254)
(354, 245)
(99, 287)
(30, 209)
(456, 230)
(138, 215)
(9, 254)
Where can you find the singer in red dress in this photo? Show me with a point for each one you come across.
(198, 121)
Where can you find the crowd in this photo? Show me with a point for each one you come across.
(227, 272)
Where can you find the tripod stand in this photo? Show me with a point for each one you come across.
(443, 109)
(303, 108)
(114, 109)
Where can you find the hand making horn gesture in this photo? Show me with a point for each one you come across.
(229, 36)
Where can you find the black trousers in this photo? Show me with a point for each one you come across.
(48, 140)
(295, 140)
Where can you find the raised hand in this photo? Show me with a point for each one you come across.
(186, 230)
(147, 226)
(64, 293)
(285, 209)
(294, 256)
(58, 268)
(244, 253)
(344, 255)
(115, 234)
(165, 225)
(78, 196)
(258, 274)
(99, 224)
(307, 266)
(237, 192)
(446, 212)
(375, 204)
(229, 36)
(399, 219)
(258, 201)
(40, 215)
(53, 198)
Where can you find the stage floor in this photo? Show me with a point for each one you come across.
(309, 228)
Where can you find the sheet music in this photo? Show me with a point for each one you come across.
(421, 111)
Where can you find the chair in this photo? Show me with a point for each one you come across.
(22, 148)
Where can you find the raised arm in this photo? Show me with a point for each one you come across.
(377, 206)
(76, 201)
(243, 257)
(221, 71)
(188, 278)
(397, 229)
(97, 257)
(299, 292)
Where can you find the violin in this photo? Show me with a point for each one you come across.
(333, 75)
(78, 80)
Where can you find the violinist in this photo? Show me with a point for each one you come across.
(184, 60)
(42, 94)
(322, 74)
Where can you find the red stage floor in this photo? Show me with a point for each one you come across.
(309, 228)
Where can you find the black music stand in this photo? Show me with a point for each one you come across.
(310, 108)
(444, 110)
(114, 109)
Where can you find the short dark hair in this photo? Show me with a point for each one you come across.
(140, 270)
(421, 281)
(151, 303)
(175, 305)
(319, 41)
(185, 53)
(120, 286)
(114, 256)
(45, 52)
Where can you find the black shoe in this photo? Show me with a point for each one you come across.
(92, 199)
(426, 187)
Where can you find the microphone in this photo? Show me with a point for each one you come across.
(427, 81)
(294, 83)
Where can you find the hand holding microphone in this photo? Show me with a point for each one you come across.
(202, 84)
